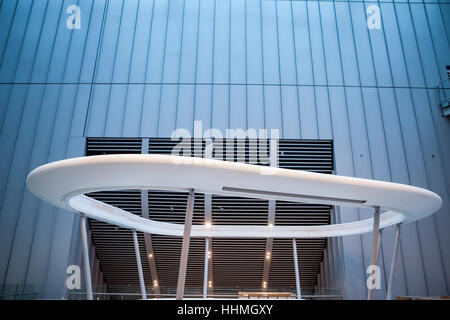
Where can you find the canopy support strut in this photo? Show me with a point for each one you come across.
(185, 247)
(139, 265)
(297, 274)
(376, 231)
(393, 263)
(87, 268)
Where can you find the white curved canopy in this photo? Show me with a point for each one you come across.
(64, 183)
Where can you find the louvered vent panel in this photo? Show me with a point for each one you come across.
(310, 155)
(237, 263)
(99, 146)
(167, 251)
(239, 211)
(171, 207)
(301, 214)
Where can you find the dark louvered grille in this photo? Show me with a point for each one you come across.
(237, 263)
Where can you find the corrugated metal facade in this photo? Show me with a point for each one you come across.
(143, 68)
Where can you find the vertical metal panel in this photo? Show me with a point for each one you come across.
(254, 44)
(238, 35)
(237, 64)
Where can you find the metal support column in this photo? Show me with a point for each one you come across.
(376, 230)
(185, 247)
(206, 268)
(393, 263)
(139, 265)
(380, 235)
(87, 268)
(297, 274)
(147, 236)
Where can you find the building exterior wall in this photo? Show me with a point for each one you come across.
(142, 68)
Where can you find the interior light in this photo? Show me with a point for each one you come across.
(150, 255)
(208, 224)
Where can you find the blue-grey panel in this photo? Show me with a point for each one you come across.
(140, 45)
(445, 15)
(158, 40)
(309, 122)
(172, 55)
(409, 45)
(77, 47)
(186, 105)
(287, 56)
(31, 40)
(238, 107)
(205, 41)
(189, 45)
(424, 43)
(92, 44)
(238, 44)
(15, 39)
(255, 105)
(221, 66)
(125, 42)
(108, 44)
(311, 69)
(362, 44)
(316, 43)
(52, 27)
(347, 44)
(331, 44)
(302, 43)
(394, 45)
(380, 56)
(7, 14)
(269, 32)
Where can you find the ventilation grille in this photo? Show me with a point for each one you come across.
(309, 155)
(237, 264)
(100, 146)
(171, 207)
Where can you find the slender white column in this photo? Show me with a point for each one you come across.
(393, 263)
(139, 265)
(380, 235)
(87, 268)
(376, 229)
(297, 274)
(185, 247)
(205, 272)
